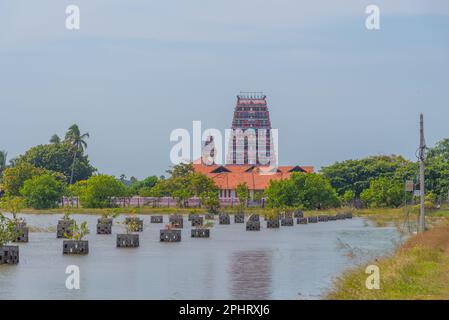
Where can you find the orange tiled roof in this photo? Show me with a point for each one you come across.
(253, 176)
(308, 169)
(238, 168)
(201, 168)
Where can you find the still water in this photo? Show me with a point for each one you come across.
(297, 262)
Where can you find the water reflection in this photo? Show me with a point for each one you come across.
(208, 275)
(251, 274)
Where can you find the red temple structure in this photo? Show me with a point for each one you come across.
(251, 141)
(251, 157)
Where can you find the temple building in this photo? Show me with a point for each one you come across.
(228, 177)
(251, 141)
(251, 157)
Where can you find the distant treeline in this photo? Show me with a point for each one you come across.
(45, 173)
(376, 181)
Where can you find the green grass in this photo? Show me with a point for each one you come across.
(378, 215)
(127, 210)
(419, 269)
(151, 210)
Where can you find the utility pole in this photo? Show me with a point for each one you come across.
(422, 146)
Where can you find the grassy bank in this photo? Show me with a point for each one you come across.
(419, 269)
(162, 210)
(172, 210)
(141, 210)
(380, 216)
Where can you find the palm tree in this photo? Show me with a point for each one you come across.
(77, 140)
(3, 155)
(55, 139)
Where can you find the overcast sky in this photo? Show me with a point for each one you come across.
(136, 70)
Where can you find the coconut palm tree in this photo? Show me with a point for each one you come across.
(77, 140)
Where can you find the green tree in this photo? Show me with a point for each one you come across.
(205, 189)
(441, 150)
(383, 192)
(242, 192)
(356, 175)
(200, 183)
(147, 183)
(42, 192)
(14, 177)
(307, 190)
(74, 190)
(437, 169)
(280, 193)
(184, 183)
(210, 199)
(12, 205)
(182, 195)
(159, 190)
(180, 189)
(348, 197)
(59, 157)
(313, 191)
(437, 176)
(100, 190)
(78, 142)
(179, 184)
(181, 170)
(55, 139)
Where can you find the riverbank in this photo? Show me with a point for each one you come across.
(125, 210)
(380, 216)
(419, 269)
(176, 210)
